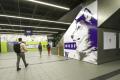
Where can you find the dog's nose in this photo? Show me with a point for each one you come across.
(78, 39)
(72, 36)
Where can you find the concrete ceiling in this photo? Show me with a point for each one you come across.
(27, 9)
(113, 22)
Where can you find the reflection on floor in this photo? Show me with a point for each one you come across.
(9, 60)
(53, 68)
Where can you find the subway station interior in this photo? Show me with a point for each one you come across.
(79, 39)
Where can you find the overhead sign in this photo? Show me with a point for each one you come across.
(28, 32)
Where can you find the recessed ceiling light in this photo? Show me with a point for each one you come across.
(34, 19)
(49, 4)
(32, 27)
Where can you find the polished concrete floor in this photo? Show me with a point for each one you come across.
(53, 68)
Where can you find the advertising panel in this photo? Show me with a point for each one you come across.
(109, 40)
(80, 40)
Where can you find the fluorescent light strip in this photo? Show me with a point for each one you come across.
(46, 31)
(31, 26)
(49, 28)
(23, 30)
(48, 34)
(26, 18)
(49, 4)
(6, 32)
(11, 30)
(23, 33)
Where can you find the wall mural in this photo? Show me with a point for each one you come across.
(80, 40)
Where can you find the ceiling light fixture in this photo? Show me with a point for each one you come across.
(48, 34)
(46, 31)
(11, 30)
(34, 19)
(24, 30)
(49, 4)
(32, 27)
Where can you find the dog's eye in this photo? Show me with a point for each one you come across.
(78, 27)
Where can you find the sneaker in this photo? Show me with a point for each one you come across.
(18, 69)
(26, 65)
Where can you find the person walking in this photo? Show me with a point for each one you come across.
(21, 54)
(48, 48)
(40, 48)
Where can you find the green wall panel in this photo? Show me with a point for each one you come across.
(4, 47)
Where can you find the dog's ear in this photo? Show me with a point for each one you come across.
(86, 9)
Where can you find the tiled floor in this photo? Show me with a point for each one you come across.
(9, 60)
(117, 77)
(53, 68)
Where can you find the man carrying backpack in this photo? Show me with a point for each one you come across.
(20, 50)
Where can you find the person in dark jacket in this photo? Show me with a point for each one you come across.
(48, 48)
(40, 48)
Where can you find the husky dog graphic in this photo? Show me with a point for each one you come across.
(85, 36)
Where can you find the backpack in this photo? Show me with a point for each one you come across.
(48, 46)
(16, 47)
(39, 46)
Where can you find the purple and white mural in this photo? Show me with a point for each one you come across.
(80, 40)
